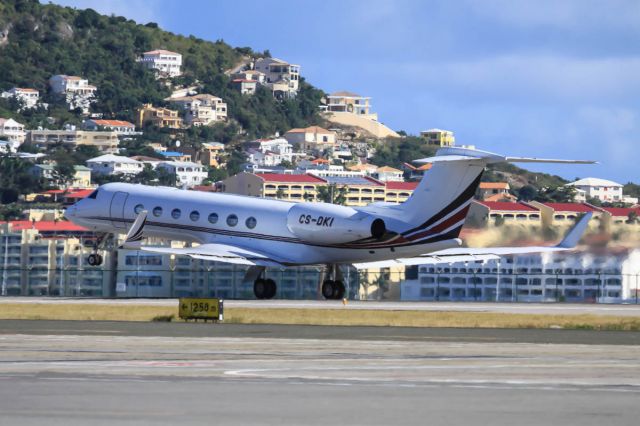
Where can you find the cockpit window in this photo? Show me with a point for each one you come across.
(93, 195)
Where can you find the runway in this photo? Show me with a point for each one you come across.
(64, 372)
(502, 307)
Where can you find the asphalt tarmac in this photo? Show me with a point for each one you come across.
(64, 372)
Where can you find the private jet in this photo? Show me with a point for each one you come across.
(262, 232)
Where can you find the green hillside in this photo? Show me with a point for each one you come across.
(43, 40)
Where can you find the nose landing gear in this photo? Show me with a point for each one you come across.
(95, 259)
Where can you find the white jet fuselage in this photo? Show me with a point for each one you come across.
(289, 233)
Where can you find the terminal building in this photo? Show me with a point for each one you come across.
(611, 277)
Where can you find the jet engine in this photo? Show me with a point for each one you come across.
(332, 224)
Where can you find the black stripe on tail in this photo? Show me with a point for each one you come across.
(466, 195)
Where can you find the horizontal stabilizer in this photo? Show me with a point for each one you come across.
(452, 255)
(466, 154)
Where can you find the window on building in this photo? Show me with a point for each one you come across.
(232, 220)
(137, 209)
(194, 216)
(157, 211)
(251, 222)
(213, 218)
(175, 213)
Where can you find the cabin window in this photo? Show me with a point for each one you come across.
(137, 209)
(232, 220)
(175, 213)
(194, 216)
(213, 217)
(251, 222)
(157, 211)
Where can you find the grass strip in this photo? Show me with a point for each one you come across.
(337, 317)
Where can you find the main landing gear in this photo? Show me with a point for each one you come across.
(263, 288)
(95, 259)
(333, 287)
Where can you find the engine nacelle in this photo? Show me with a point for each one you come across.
(332, 224)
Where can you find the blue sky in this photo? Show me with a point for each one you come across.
(538, 78)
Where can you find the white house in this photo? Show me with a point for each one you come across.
(311, 138)
(77, 91)
(282, 77)
(388, 174)
(12, 131)
(30, 97)
(118, 126)
(110, 164)
(187, 173)
(201, 109)
(246, 87)
(602, 189)
(164, 62)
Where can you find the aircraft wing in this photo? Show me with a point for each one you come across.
(214, 252)
(462, 254)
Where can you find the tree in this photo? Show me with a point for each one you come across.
(217, 174)
(632, 217)
(148, 176)
(527, 193)
(561, 194)
(333, 194)
(166, 178)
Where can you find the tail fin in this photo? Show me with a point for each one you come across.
(440, 203)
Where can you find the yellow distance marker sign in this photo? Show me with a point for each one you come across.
(200, 308)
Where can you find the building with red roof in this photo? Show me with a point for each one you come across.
(119, 126)
(557, 214)
(361, 190)
(482, 213)
(621, 215)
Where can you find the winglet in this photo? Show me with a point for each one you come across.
(134, 236)
(575, 233)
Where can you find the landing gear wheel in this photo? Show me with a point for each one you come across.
(260, 288)
(271, 288)
(94, 260)
(328, 288)
(338, 290)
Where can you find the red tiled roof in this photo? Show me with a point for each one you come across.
(45, 225)
(506, 206)
(113, 123)
(205, 188)
(494, 185)
(280, 177)
(571, 207)
(621, 211)
(402, 186)
(79, 193)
